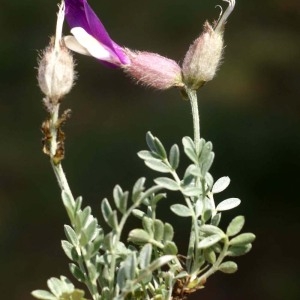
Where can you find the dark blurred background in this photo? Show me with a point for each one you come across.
(250, 111)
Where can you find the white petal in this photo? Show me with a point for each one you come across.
(93, 47)
(73, 45)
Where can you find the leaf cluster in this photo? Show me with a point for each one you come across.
(148, 265)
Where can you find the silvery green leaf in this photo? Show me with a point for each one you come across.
(120, 199)
(145, 256)
(157, 165)
(167, 183)
(159, 262)
(139, 236)
(215, 220)
(113, 220)
(78, 203)
(168, 232)
(198, 208)
(207, 209)
(235, 226)
(43, 295)
(210, 255)
(174, 157)
(108, 241)
(217, 248)
(151, 191)
(160, 149)
(71, 235)
(69, 250)
(188, 143)
(158, 230)
(228, 204)
(191, 154)
(121, 278)
(206, 215)
(209, 241)
(221, 184)
(228, 267)
(209, 180)
(154, 200)
(138, 188)
(194, 170)
(239, 250)
(207, 163)
(138, 213)
(130, 265)
(69, 205)
(106, 209)
(93, 273)
(189, 149)
(148, 224)
(181, 210)
(77, 273)
(210, 230)
(188, 179)
(91, 230)
(192, 191)
(145, 155)
(170, 248)
(55, 286)
(150, 141)
(96, 244)
(84, 216)
(242, 239)
(205, 151)
(67, 285)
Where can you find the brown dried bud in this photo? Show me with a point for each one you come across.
(153, 70)
(56, 72)
(203, 58)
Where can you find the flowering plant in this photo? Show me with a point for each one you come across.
(147, 265)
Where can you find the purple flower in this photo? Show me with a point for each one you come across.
(89, 35)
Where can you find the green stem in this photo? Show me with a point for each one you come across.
(57, 168)
(117, 239)
(192, 94)
(216, 265)
(64, 186)
(194, 236)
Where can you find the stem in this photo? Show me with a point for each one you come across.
(216, 265)
(196, 119)
(64, 186)
(57, 168)
(194, 236)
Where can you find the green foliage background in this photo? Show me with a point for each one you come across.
(251, 112)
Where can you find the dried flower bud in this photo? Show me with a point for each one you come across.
(56, 66)
(203, 58)
(204, 55)
(56, 72)
(153, 70)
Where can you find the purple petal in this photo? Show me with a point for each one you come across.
(80, 14)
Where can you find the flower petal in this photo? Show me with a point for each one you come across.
(94, 47)
(74, 45)
(80, 14)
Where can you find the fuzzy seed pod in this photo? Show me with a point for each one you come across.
(56, 72)
(203, 58)
(153, 70)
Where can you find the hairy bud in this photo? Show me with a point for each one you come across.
(203, 58)
(56, 72)
(153, 70)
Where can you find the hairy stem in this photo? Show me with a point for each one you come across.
(216, 265)
(192, 94)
